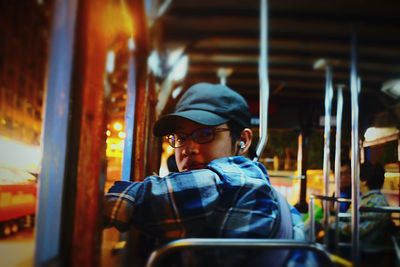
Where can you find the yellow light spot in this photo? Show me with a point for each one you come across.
(117, 126)
(121, 134)
(121, 145)
(113, 146)
(108, 133)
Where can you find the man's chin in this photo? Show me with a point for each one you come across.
(193, 167)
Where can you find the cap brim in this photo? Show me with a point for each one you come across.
(167, 124)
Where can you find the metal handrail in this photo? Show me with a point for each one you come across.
(380, 209)
(327, 136)
(287, 176)
(338, 199)
(312, 219)
(157, 255)
(355, 174)
(387, 209)
(396, 249)
(346, 215)
(339, 115)
(362, 209)
(263, 76)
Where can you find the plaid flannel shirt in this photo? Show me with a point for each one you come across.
(375, 224)
(230, 198)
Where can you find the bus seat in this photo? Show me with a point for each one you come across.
(158, 256)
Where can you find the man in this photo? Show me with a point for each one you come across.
(217, 192)
(345, 184)
(373, 225)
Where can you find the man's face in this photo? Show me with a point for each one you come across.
(192, 155)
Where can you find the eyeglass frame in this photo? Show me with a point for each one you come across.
(213, 130)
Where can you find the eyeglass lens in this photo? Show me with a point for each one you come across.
(200, 136)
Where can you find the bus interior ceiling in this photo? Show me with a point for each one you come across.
(221, 38)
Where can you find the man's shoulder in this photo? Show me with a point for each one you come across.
(238, 161)
(239, 166)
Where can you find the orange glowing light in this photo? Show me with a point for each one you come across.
(117, 18)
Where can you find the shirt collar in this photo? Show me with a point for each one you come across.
(373, 191)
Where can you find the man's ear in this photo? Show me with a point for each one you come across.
(244, 142)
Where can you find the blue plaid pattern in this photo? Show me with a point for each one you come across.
(231, 198)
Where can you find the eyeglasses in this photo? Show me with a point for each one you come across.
(200, 136)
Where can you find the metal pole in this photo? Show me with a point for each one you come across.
(223, 80)
(339, 113)
(299, 154)
(327, 135)
(354, 90)
(263, 76)
(55, 132)
(398, 160)
(129, 117)
(312, 219)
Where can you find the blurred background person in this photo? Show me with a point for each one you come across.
(374, 226)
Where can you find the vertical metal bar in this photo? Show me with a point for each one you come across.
(312, 219)
(299, 154)
(142, 104)
(89, 102)
(55, 132)
(398, 148)
(129, 118)
(354, 90)
(339, 115)
(129, 123)
(263, 76)
(327, 136)
(222, 80)
(140, 126)
(302, 171)
(362, 152)
(303, 181)
(398, 161)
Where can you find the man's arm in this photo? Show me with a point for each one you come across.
(162, 206)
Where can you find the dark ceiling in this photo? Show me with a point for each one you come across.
(226, 34)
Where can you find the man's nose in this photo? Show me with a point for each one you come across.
(190, 147)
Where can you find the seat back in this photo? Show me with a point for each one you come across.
(157, 257)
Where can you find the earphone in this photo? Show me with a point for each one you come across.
(241, 146)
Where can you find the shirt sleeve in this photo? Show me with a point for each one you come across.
(298, 225)
(162, 206)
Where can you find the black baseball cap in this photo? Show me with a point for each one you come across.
(207, 104)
